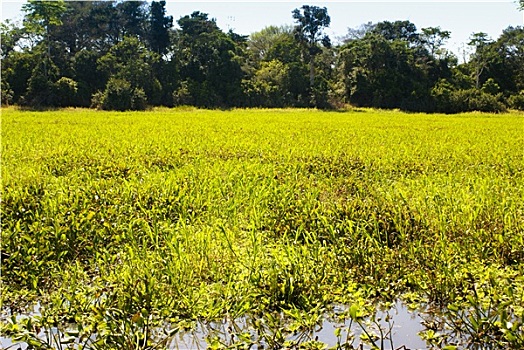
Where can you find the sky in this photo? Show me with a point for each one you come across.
(461, 18)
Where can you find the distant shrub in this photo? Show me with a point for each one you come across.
(138, 99)
(448, 100)
(119, 95)
(182, 95)
(96, 100)
(66, 91)
(476, 100)
(517, 101)
(6, 93)
(491, 87)
(441, 94)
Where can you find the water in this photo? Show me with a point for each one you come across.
(403, 324)
(400, 326)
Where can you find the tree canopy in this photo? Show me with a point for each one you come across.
(129, 55)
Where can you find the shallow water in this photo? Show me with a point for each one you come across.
(403, 323)
(404, 331)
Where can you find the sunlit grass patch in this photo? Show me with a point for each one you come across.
(183, 215)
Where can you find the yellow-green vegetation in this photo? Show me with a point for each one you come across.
(132, 226)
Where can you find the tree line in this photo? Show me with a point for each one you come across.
(128, 55)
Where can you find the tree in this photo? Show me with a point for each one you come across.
(40, 16)
(17, 69)
(387, 69)
(269, 85)
(130, 61)
(260, 43)
(311, 20)
(210, 63)
(74, 34)
(196, 24)
(288, 51)
(479, 41)
(433, 38)
(505, 60)
(10, 34)
(132, 18)
(159, 26)
(398, 30)
(120, 95)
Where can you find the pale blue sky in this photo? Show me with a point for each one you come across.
(462, 18)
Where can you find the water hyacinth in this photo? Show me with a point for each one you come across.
(129, 229)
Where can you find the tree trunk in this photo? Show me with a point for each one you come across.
(312, 72)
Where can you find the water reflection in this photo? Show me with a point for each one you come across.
(399, 326)
(396, 327)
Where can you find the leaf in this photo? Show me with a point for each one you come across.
(136, 317)
(353, 310)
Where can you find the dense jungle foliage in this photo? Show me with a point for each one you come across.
(122, 55)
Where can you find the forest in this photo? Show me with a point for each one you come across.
(131, 55)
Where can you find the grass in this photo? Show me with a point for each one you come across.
(120, 222)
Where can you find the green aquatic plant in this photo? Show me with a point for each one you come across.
(129, 224)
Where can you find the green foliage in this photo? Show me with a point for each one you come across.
(66, 90)
(41, 88)
(209, 63)
(160, 24)
(260, 43)
(7, 93)
(266, 217)
(11, 34)
(269, 85)
(475, 100)
(517, 101)
(43, 14)
(449, 100)
(398, 30)
(383, 65)
(16, 71)
(119, 95)
(433, 38)
(130, 60)
(490, 87)
(311, 21)
(382, 73)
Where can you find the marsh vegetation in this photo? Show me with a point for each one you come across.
(127, 229)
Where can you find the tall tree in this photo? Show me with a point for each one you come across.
(159, 26)
(387, 73)
(398, 30)
(40, 16)
(132, 18)
(505, 60)
(130, 61)
(260, 43)
(479, 41)
(210, 65)
(433, 38)
(311, 21)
